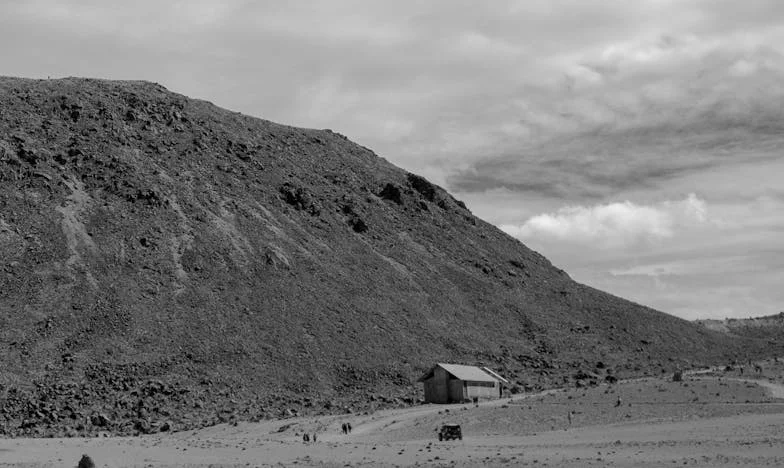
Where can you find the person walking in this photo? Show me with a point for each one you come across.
(348, 426)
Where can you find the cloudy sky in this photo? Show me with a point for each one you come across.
(637, 144)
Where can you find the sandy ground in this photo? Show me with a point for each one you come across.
(713, 419)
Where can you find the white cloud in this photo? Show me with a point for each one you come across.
(736, 264)
(476, 44)
(614, 225)
(144, 20)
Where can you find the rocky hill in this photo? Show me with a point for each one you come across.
(165, 263)
(770, 327)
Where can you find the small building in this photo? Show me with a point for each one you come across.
(453, 383)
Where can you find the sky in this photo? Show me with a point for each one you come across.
(636, 144)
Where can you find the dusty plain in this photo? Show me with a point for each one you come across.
(716, 418)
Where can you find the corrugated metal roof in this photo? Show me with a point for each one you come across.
(477, 374)
(468, 372)
(495, 374)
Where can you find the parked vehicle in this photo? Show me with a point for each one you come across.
(450, 431)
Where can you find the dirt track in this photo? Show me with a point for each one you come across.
(708, 420)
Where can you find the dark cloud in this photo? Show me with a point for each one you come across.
(639, 127)
(600, 164)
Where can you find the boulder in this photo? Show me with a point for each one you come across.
(86, 462)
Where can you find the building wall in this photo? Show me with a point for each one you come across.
(440, 389)
(456, 391)
(483, 392)
(437, 387)
(435, 393)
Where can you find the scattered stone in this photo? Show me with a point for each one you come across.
(101, 420)
(392, 192)
(300, 198)
(357, 224)
(423, 186)
(86, 462)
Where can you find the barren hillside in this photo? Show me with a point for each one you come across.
(769, 327)
(165, 263)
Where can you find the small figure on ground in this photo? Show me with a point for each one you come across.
(305, 438)
(569, 415)
(314, 437)
(348, 426)
(344, 428)
(618, 401)
(86, 462)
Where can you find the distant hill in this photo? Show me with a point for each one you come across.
(769, 327)
(165, 263)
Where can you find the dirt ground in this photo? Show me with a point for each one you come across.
(713, 418)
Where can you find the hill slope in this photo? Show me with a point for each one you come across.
(770, 327)
(162, 259)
